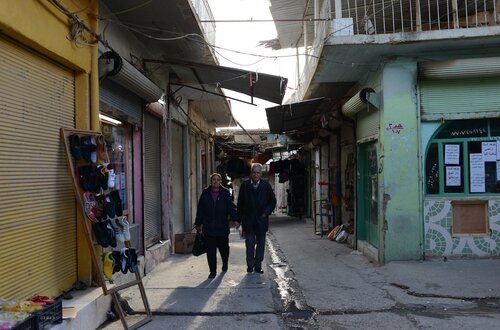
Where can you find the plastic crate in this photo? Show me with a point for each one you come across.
(49, 315)
(29, 323)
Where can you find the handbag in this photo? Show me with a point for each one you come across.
(199, 246)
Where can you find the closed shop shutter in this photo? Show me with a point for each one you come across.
(178, 194)
(37, 208)
(460, 98)
(368, 123)
(118, 98)
(152, 180)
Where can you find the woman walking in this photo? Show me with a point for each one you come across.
(214, 213)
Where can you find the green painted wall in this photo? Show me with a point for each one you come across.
(399, 163)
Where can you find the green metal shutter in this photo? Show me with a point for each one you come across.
(368, 123)
(460, 98)
(152, 180)
(37, 202)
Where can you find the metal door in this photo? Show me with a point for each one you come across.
(368, 194)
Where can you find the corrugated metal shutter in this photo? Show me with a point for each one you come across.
(460, 98)
(122, 99)
(152, 180)
(368, 123)
(37, 208)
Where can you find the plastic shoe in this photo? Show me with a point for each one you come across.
(102, 176)
(126, 228)
(120, 237)
(84, 177)
(110, 207)
(88, 148)
(74, 146)
(118, 202)
(101, 149)
(100, 210)
(89, 205)
(117, 258)
(107, 265)
(133, 260)
(100, 234)
(125, 255)
(110, 232)
(111, 178)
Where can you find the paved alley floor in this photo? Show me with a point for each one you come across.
(313, 283)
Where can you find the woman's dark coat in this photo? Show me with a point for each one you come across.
(215, 217)
(255, 206)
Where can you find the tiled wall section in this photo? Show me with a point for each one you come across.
(438, 238)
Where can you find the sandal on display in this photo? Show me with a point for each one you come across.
(88, 147)
(111, 178)
(110, 232)
(107, 265)
(101, 149)
(110, 207)
(100, 234)
(74, 146)
(125, 260)
(102, 176)
(115, 195)
(120, 237)
(126, 228)
(133, 260)
(89, 205)
(117, 257)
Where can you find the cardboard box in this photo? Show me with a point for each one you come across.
(184, 242)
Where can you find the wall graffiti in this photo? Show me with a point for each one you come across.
(395, 128)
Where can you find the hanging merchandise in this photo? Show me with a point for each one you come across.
(95, 185)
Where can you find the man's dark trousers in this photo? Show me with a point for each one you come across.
(255, 243)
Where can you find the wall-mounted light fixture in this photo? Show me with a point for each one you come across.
(109, 120)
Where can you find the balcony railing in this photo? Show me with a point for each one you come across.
(393, 16)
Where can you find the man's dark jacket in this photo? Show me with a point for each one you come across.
(255, 206)
(215, 216)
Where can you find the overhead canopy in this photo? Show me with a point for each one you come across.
(291, 117)
(259, 85)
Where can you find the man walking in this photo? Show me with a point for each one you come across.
(256, 201)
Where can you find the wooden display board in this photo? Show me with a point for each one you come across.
(470, 218)
(94, 247)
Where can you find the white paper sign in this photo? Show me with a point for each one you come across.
(453, 177)
(476, 173)
(498, 150)
(452, 154)
(489, 150)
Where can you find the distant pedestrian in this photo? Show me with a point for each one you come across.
(256, 201)
(215, 210)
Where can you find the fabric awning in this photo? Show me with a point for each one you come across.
(259, 85)
(291, 117)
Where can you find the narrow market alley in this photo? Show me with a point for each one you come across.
(311, 282)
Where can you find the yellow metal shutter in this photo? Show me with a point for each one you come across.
(37, 203)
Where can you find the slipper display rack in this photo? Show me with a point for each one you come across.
(103, 221)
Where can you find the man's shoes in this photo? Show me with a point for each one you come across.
(212, 275)
(259, 270)
(224, 267)
(249, 269)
